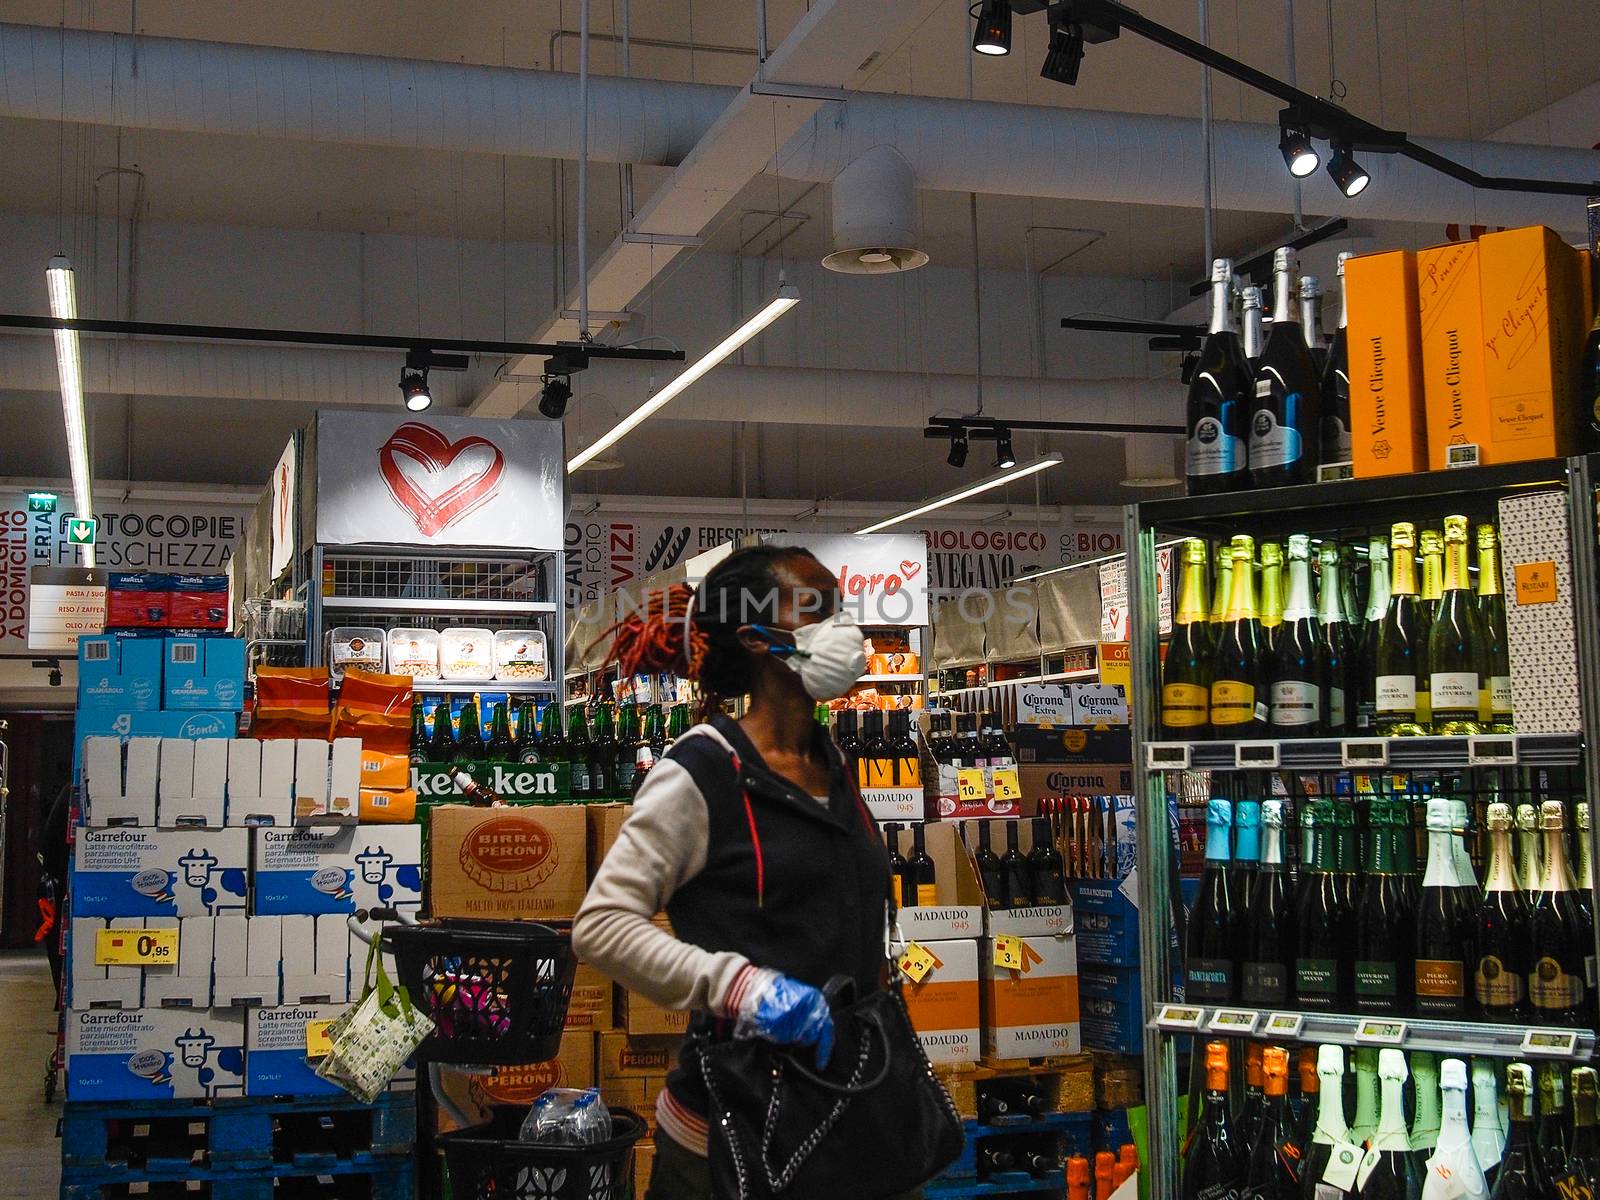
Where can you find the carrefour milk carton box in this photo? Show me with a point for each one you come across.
(155, 1054)
(336, 869)
(139, 872)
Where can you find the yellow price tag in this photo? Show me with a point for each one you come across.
(1008, 952)
(1006, 785)
(917, 961)
(135, 947)
(969, 784)
(318, 1044)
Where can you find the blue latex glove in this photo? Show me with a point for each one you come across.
(788, 1012)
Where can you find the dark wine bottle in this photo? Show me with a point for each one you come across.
(1305, 1118)
(1390, 1171)
(990, 873)
(1186, 671)
(921, 870)
(1268, 938)
(1366, 671)
(1444, 925)
(1336, 442)
(1458, 667)
(1300, 677)
(904, 884)
(1340, 696)
(1552, 1144)
(1521, 1174)
(1044, 866)
(1272, 1170)
(877, 760)
(1311, 323)
(1561, 943)
(1221, 393)
(1246, 853)
(1238, 687)
(1584, 1153)
(1430, 549)
(1492, 614)
(1383, 945)
(1502, 934)
(1016, 880)
(1398, 648)
(1248, 1118)
(1286, 423)
(1322, 949)
(1214, 1163)
(1214, 920)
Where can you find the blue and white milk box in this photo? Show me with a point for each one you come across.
(121, 872)
(275, 1050)
(155, 1054)
(337, 870)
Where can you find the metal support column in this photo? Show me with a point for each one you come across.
(1586, 604)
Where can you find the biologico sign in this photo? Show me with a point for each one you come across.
(515, 783)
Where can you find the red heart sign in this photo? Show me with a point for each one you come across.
(910, 569)
(419, 465)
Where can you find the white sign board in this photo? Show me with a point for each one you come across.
(64, 604)
(1044, 704)
(404, 479)
(285, 508)
(1114, 596)
(883, 577)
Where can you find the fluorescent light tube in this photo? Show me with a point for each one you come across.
(788, 296)
(69, 367)
(973, 489)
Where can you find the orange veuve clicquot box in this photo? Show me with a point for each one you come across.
(1533, 332)
(1388, 423)
(1450, 309)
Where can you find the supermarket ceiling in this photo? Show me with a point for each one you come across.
(167, 219)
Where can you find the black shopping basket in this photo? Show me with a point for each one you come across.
(490, 1161)
(496, 991)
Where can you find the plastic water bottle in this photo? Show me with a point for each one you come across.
(568, 1117)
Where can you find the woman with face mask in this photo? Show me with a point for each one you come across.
(750, 834)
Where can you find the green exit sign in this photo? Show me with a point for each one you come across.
(42, 502)
(80, 531)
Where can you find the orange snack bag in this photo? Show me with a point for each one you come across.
(375, 708)
(388, 808)
(291, 702)
(379, 769)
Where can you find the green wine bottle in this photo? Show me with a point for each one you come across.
(1492, 612)
(1398, 647)
(1457, 664)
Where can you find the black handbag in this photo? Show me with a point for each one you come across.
(877, 1123)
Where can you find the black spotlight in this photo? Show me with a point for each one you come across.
(414, 388)
(553, 397)
(1347, 172)
(1299, 155)
(1004, 457)
(958, 450)
(1065, 55)
(993, 34)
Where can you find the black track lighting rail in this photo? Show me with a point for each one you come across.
(992, 429)
(1104, 20)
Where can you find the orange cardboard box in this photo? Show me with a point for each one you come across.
(590, 1006)
(1533, 331)
(605, 822)
(1450, 304)
(641, 1017)
(1388, 415)
(573, 1067)
(944, 1003)
(631, 1071)
(1032, 1011)
(523, 862)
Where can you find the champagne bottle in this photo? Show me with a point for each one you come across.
(1300, 671)
(1331, 1129)
(1530, 868)
(1246, 853)
(1560, 947)
(1215, 1161)
(1186, 671)
(1238, 691)
(1310, 1096)
(1336, 442)
(1338, 644)
(1488, 1138)
(1552, 1142)
(1453, 1169)
(1345, 868)
(1584, 1154)
(1430, 548)
(1268, 955)
(1364, 1065)
(1383, 944)
(1311, 323)
(1248, 1119)
(1492, 613)
(1224, 588)
(1286, 424)
(1499, 977)
(1585, 895)
(1251, 325)
(1273, 1154)
(1444, 925)
(1270, 579)
(1458, 668)
(1322, 964)
(1398, 649)
(1378, 596)
(1425, 1089)
(1466, 877)
(1221, 393)
(1214, 920)
(1520, 1175)
(1390, 1170)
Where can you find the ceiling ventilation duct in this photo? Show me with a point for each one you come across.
(1151, 462)
(873, 205)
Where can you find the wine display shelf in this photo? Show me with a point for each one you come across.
(1404, 1033)
(1401, 753)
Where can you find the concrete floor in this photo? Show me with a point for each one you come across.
(30, 1154)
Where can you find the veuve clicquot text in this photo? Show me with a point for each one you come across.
(1186, 671)
(1458, 668)
(1221, 393)
(1238, 691)
(1398, 648)
(1299, 656)
(1286, 424)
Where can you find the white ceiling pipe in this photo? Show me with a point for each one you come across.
(874, 216)
(951, 145)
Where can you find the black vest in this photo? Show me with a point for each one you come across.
(788, 883)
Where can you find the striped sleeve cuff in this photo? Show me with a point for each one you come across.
(744, 990)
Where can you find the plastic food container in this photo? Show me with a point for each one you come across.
(520, 654)
(414, 652)
(354, 646)
(466, 655)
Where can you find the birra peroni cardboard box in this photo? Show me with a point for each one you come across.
(1388, 422)
(507, 863)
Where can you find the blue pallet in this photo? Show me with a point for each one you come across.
(1006, 1183)
(1074, 1128)
(344, 1182)
(167, 1140)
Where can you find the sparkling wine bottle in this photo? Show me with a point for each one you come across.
(1273, 1171)
(1390, 1170)
(1286, 424)
(1311, 323)
(1246, 853)
(1214, 920)
(1520, 1175)
(1492, 614)
(1336, 442)
(1339, 645)
(1270, 581)
(1221, 393)
(1425, 1090)
(1186, 671)
(1331, 1129)
(1364, 1067)
(1399, 645)
(1300, 675)
(1214, 1163)
(1251, 322)
(1552, 1142)
(1453, 1168)
(1383, 920)
(1248, 1118)
(1322, 950)
(1367, 657)
(1561, 945)
(1238, 687)
(1444, 924)
(1583, 1156)
(1458, 668)
(1268, 964)
(1502, 934)
(1488, 1137)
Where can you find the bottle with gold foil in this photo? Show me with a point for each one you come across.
(1456, 663)
(1271, 592)
(1400, 644)
(1186, 671)
(1430, 548)
(1224, 582)
(1238, 691)
(1500, 974)
(1492, 612)
(1562, 941)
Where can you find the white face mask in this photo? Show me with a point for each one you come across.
(829, 656)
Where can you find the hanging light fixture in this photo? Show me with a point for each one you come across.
(1004, 456)
(69, 370)
(553, 397)
(1346, 172)
(993, 33)
(958, 450)
(1294, 143)
(414, 387)
(966, 493)
(1065, 53)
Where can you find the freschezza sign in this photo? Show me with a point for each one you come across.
(131, 535)
(606, 551)
(408, 479)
